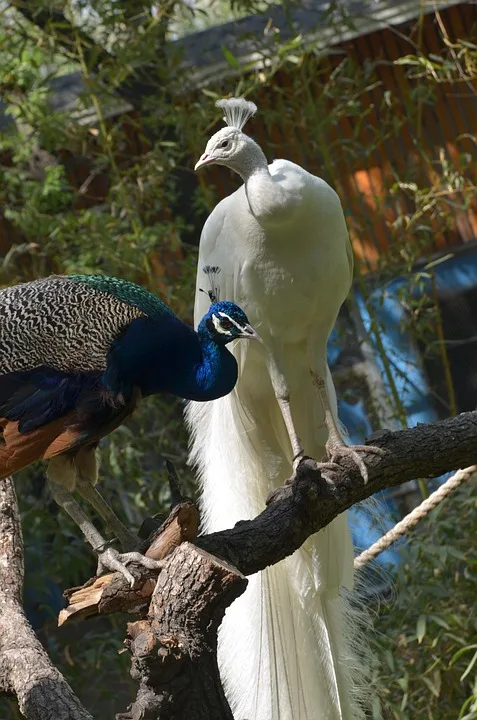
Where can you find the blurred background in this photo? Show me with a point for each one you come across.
(104, 108)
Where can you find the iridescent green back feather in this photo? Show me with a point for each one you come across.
(126, 291)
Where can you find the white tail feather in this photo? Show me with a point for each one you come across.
(285, 646)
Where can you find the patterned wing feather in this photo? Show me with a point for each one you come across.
(68, 323)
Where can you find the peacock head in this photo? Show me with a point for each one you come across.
(225, 322)
(230, 146)
(223, 147)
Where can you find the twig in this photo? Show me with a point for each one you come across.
(54, 21)
(174, 484)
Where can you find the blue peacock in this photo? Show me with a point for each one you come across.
(77, 354)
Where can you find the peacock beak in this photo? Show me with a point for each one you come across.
(204, 159)
(250, 333)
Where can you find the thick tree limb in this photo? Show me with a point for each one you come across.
(312, 501)
(173, 649)
(179, 688)
(25, 669)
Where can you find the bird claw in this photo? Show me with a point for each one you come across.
(111, 559)
(354, 453)
(283, 492)
(328, 465)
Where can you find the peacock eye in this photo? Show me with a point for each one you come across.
(224, 144)
(226, 323)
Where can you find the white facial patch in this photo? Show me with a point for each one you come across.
(221, 329)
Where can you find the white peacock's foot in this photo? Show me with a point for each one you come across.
(354, 452)
(111, 559)
(283, 491)
(328, 466)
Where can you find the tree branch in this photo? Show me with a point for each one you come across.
(297, 510)
(311, 501)
(307, 504)
(25, 669)
(174, 649)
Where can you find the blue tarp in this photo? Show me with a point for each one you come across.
(456, 274)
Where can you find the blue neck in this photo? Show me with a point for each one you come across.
(216, 374)
(168, 356)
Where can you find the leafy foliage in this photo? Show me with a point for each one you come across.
(427, 632)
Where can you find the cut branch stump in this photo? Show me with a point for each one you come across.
(174, 650)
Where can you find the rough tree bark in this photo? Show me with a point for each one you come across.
(25, 668)
(173, 648)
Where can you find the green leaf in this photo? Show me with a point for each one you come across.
(421, 626)
(230, 57)
(432, 687)
(469, 667)
(461, 652)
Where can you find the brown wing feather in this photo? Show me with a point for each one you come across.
(19, 450)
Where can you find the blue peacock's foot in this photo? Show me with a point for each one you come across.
(111, 559)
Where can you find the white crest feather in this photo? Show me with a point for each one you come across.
(236, 111)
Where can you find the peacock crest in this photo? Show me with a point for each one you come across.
(237, 111)
(213, 292)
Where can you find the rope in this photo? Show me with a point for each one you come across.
(411, 520)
